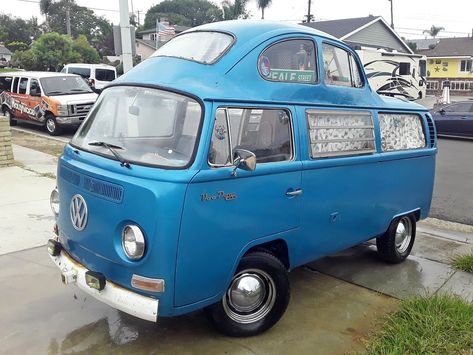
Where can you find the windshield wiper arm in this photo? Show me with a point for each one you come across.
(112, 147)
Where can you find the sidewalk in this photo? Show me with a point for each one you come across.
(27, 220)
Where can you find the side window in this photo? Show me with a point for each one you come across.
(289, 61)
(404, 68)
(23, 85)
(34, 87)
(463, 107)
(340, 133)
(265, 132)
(401, 131)
(15, 84)
(340, 67)
(5, 83)
(219, 154)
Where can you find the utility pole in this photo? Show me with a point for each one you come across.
(125, 30)
(309, 15)
(392, 16)
(68, 19)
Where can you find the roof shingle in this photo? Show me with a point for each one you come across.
(451, 47)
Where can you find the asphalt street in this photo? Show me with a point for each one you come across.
(453, 191)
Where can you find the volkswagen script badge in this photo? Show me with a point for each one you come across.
(78, 212)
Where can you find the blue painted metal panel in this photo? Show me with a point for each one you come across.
(195, 245)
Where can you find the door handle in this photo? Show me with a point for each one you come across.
(296, 192)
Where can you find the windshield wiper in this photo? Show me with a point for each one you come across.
(79, 90)
(112, 147)
(55, 92)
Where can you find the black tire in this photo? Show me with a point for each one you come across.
(257, 269)
(7, 113)
(396, 244)
(51, 126)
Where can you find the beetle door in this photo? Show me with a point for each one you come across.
(227, 209)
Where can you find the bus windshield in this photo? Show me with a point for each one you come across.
(145, 126)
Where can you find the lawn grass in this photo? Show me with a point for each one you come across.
(6, 70)
(426, 325)
(463, 262)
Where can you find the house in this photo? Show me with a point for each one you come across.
(5, 52)
(371, 31)
(450, 58)
(149, 40)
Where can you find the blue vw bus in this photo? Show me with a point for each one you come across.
(239, 151)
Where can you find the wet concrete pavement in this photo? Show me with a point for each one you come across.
(38, 315)
(328, 314)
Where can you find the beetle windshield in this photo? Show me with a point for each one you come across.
(145, 126)
(203, 47)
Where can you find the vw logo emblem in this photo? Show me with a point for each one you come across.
(78, 212)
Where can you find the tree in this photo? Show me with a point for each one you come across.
(183, 12)
(235, 9)
(52, 51)
(17, 46)
(14, 29)
(434, 31)
(88, 54)
(263, 4)
(83, 22)
(44, 8)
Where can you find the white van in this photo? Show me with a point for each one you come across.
(98, 75)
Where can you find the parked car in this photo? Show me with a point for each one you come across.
(237, 152)
(455, 119)
(97, 75)
(4, 63)
(52, 100)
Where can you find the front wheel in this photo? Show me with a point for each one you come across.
(256, 299)
(9, 115)
(396, 244)
(51, 125)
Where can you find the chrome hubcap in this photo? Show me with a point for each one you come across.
(50, 125)
(250, 297)
(403, 234)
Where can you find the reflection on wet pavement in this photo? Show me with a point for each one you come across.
(41, 316)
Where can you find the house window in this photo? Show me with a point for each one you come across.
(465, 65)
(432, 85)
(340, 133)
(461, 85)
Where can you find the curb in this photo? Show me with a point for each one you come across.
(42, 135)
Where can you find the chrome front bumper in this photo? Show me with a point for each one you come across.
(114, 295)
(70, 120)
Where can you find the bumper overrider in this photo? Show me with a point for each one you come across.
(96, 285)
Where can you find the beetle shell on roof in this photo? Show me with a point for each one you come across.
(235, 77)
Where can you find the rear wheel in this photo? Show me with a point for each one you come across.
(256, 299)
(396, 244)
(9, 115)
(51, 125)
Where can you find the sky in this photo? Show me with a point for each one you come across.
(411, 17)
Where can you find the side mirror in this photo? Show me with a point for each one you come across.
(442, 112)
(243, 159)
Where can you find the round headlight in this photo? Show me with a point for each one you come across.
(54, 201)
(133, 242)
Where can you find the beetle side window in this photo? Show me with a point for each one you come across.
(289, 61)
(401, 131)
(340, 67)
(265, 132)
(340, 133)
